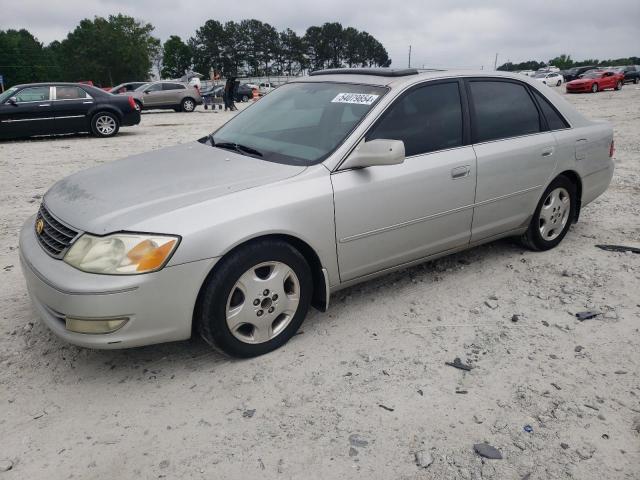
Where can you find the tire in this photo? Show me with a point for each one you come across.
(619, 86)
(245, 99)
(138, 105)
(559, 83)
(635, 81)
(105, 124)
(594, 88)
(188, 105)
(247, 306)
(547, 228)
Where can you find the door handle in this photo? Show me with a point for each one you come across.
(45, 105)
(547, 152)
(460, 172)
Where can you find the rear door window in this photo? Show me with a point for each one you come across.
(502, 110)
(172, 86)
(70, 93)
(426, 119)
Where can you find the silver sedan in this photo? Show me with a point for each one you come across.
(326, 182)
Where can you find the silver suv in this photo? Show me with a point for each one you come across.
(166, 95)
(328, 181)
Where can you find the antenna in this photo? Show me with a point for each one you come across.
(409, 56)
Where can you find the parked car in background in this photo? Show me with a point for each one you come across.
(59, 108)
(236, 235)
(126, 87)
(244, 93)
(594, 81)
(551, 79)
(265, 87)
(528, 73)
(575, 72)
(167, 95)
(631, 73)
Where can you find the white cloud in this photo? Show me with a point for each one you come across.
(463, 33)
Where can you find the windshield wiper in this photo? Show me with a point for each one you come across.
(237, 147)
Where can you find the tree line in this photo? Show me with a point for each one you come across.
(565, 62)
(120, 48)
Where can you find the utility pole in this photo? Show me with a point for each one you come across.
(409, 56)
(495, 63)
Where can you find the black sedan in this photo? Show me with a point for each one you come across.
(59, 108)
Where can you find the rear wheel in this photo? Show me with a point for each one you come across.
(559, 83)
(594, 88)
(188, 105)
(635, 80)
(256, 299)
(553, 216)
(138, 106)
(105, 124)
(245, 98)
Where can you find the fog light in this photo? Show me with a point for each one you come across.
(94, 325)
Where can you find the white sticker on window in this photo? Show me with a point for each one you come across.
(357, 98)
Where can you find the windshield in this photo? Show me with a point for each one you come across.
(592, 75)
(299, 123)
(7, 94)
(540, 75)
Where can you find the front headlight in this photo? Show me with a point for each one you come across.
(121, 253)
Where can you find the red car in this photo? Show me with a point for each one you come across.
(596, 80)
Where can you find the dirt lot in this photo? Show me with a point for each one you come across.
(364, 386)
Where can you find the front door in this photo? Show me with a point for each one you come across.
(71, 105)
(394, 214)
(516, 155)
(153, 95)
(31, 114)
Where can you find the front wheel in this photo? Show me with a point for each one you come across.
(552, 217)
(138, 105)
(594, 88)
(245, 98)
(188, 105)
(619, 85)
(559, 83)
(256, 299)
(635, 81)
(105, 124)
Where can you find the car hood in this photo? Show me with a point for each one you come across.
(580, 81)
(115, 196)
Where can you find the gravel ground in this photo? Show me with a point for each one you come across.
(363, 391)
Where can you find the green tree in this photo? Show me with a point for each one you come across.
(108, 51)
(208, 46)
(23, 59)
(176, 57)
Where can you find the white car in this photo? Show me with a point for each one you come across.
(552, 79)
(266, 87)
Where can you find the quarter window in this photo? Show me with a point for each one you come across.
(554, 120)
(502, 110)
(33, 94)
(426, 119)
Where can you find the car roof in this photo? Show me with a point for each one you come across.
(377, 77)
(52, 84)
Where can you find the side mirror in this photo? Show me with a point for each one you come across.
(376, 152)
(13, 101)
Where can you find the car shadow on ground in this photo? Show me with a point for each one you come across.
(70, 136)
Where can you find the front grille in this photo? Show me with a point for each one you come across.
(54, 237)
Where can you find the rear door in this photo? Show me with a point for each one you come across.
(30, 115)
(173, 93)
(71, 105)
(515, 151)
(394, 214)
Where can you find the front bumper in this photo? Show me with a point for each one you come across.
(159, 305)
(578, 88)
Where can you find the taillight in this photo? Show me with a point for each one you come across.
(612, 149)
(132, 102)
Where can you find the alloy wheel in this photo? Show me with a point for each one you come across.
(263, 302)
(188, 106)
(106, 125)
(554, 214)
